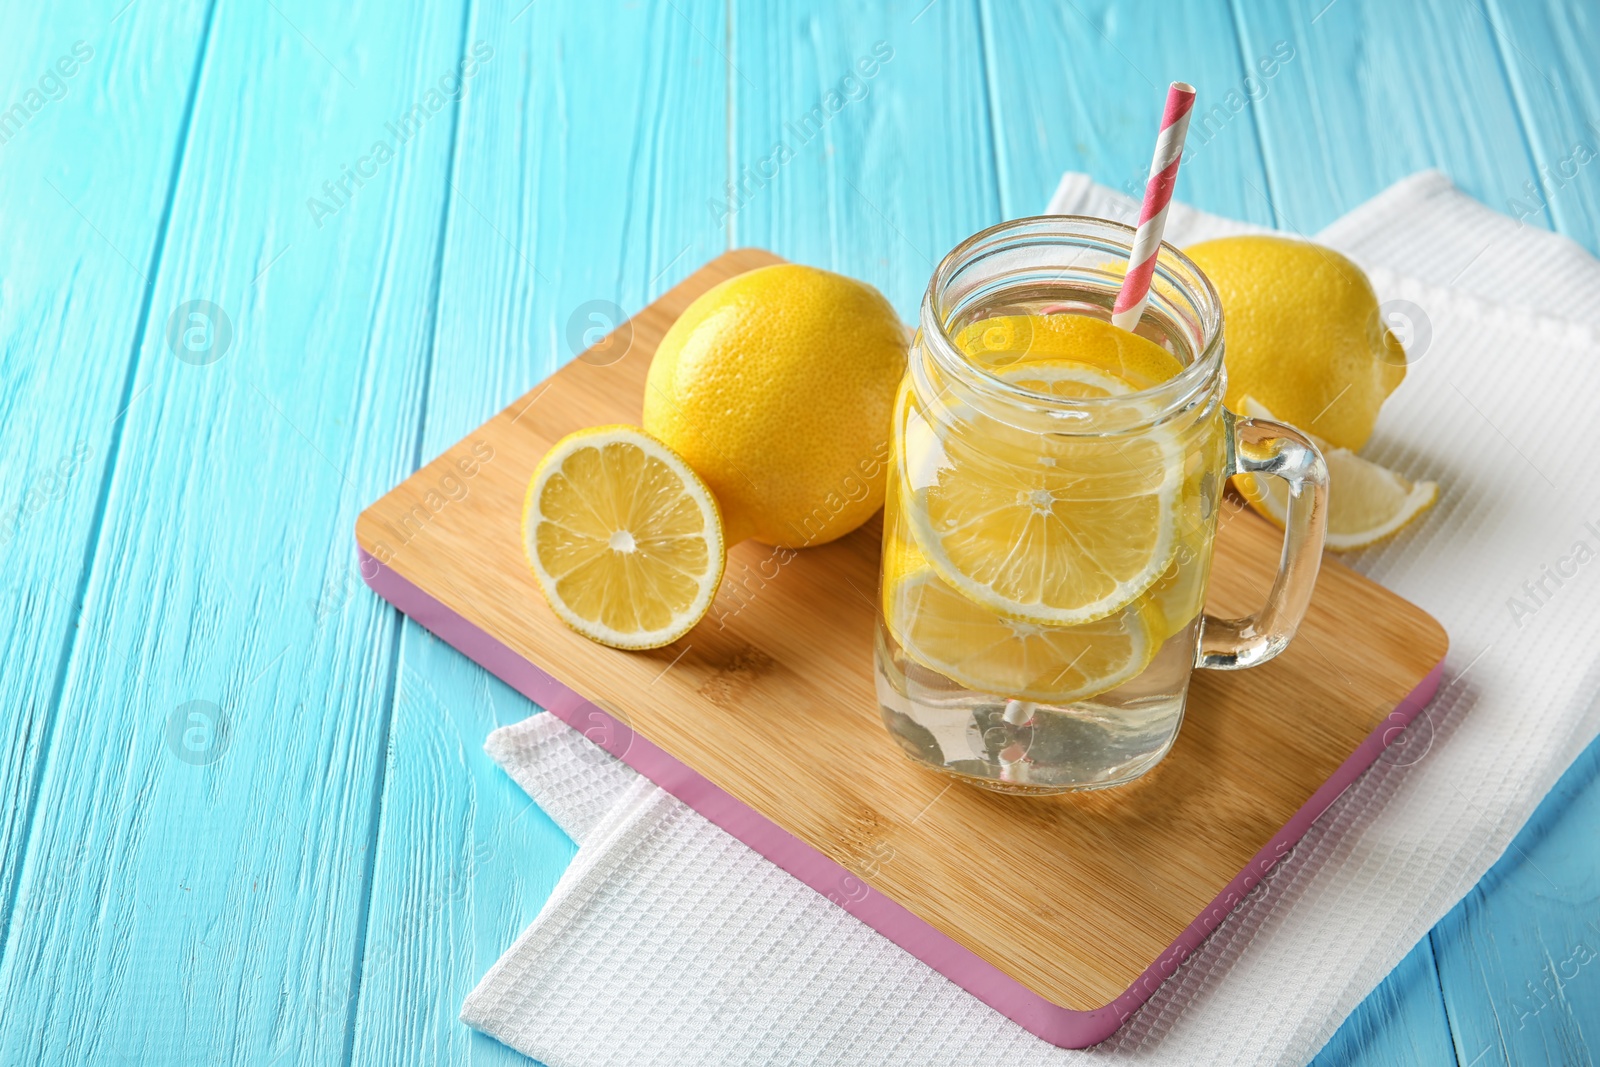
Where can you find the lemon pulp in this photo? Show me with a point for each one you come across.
(624, 538)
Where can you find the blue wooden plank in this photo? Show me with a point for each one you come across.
(1519, 958)
(1403, 1022)
(1548, 50)
(1379, 91)
(874, 127)
(1080, 87)
(196, 875)
(464, 862)
(588, 150)
(85, 206)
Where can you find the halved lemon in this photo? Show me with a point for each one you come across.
(623, 537)
(1366, 502)
(1065, 530)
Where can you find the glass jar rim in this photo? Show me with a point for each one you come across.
(1197, 377)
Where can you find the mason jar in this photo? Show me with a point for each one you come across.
(1052, 503)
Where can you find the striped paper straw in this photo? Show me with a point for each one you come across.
(1153, 215)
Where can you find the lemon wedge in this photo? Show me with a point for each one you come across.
(623, 537)
(1366, 502)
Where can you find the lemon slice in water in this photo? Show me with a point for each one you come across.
(947, 633)
(1051, 529)
(1063, 378)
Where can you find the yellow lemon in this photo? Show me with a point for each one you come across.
(777, 387)
(1303, 334)
(623, 537)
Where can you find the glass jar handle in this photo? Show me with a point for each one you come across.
(1260, 447)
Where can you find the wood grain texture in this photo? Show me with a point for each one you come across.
(899, 174)
(179, 910)
(1519, 958)
(771, 698)
(1402, 1024)
(570, 193)
(1547, 51)
(1378, 91)
(85, 220)
(1076, 86)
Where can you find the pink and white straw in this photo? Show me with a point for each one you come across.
(1153, 215)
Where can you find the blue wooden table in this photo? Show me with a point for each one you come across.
(263, 257)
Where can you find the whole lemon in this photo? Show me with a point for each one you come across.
(1303, 335)
(776, 386)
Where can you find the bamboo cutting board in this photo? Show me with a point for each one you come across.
(1063, 912)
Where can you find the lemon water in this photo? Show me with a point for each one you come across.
(1047, 542)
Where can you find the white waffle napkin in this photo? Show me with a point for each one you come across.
(668, 942)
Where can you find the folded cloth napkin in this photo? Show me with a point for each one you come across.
(668, 942)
